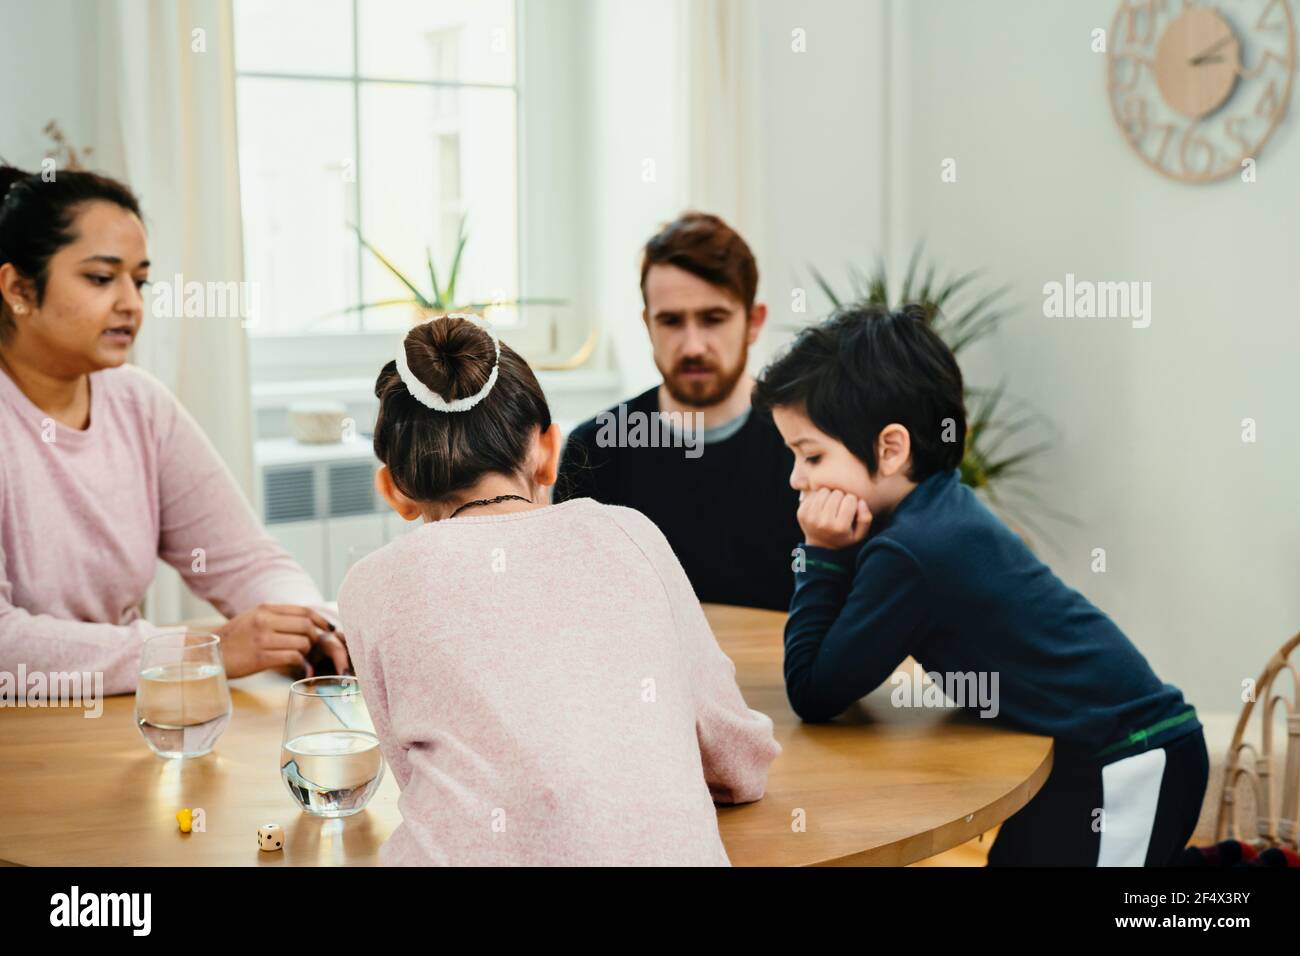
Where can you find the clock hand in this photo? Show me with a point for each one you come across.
(1205, 54)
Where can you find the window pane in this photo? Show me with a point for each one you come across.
(294, 36)
(467, 41)
(297, 185)
(430, 156)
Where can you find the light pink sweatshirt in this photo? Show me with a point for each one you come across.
(84, 516)
(546, 690)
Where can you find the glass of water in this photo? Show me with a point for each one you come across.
(182, 703)
(330, 758)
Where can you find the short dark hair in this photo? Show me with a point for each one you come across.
(866, 367)
(36, 217)
(705, 246)
(433, 454)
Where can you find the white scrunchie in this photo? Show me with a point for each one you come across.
(431, 399)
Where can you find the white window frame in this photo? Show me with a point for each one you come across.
(275, 359)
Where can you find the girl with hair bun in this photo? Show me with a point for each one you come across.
(541, 677)
(103, 472)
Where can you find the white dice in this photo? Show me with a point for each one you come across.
(270, 837)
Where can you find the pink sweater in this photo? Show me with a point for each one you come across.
(84, 518)
(546, 690)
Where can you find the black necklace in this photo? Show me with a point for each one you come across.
(490, 501)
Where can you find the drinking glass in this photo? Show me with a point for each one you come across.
(182, 702)
(330, 758)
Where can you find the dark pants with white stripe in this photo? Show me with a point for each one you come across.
(1139, 810)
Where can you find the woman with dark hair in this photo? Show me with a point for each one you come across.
(102, 471)
(541, 678)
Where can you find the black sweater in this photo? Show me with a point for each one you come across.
(728, 513)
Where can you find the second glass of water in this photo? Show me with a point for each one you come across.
(330, 758)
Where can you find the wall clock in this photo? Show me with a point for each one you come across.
(1198, 87)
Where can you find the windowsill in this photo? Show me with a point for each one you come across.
(289, 451)
(282, 394)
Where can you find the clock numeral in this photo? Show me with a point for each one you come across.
(1280, 24)
(1269, 103)
(1148, 12)
(1192, 144)
(1268, 57)
(1134, 115)
(1126, 80)
(1169, 129)
(1231, 129)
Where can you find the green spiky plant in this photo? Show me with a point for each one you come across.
(443, 298)
(962, 315)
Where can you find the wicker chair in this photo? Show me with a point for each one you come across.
(1275, 799)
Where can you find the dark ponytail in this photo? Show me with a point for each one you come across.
(433, 454)
(36, 217)
(8, 176)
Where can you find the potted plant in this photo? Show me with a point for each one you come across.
(443, 298)
(993, 463)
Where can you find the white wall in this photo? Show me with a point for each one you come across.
(46, 63)
(1201, 531)
(634, 112)
(823, 155)
(819, 116)
(553, 142)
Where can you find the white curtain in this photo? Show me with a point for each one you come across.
(165, 123)
(724, 144)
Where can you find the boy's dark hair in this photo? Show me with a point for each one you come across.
(36, 217)
(705, 246)
(433, 454)
(866, 367)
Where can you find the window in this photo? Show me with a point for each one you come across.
(398, 116)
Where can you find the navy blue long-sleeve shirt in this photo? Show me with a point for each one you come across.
(943, 579)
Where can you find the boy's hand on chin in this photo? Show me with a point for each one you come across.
(833, 519)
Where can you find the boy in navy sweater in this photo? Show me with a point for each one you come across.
(900, 558)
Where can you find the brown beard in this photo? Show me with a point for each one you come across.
(704, 394)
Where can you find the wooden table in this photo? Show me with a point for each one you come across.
(882, 785)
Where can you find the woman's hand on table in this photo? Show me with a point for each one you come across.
(280, 635)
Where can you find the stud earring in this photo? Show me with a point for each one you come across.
(20, 309)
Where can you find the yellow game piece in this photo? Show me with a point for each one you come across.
(184, 818)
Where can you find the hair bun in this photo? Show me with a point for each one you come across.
(451, 355)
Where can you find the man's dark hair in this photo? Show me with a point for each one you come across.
(705, 246)
(866, 367)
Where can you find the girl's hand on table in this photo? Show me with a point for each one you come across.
(279, 635)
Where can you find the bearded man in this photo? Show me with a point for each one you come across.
(712, 475)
